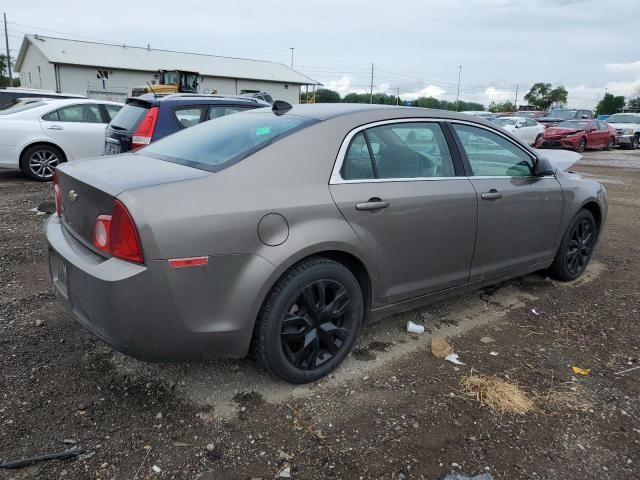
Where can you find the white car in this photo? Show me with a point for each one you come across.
(627, 127)
(38, 136)
(526, 129)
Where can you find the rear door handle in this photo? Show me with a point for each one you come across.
(492, 194)
(372, 204)
(55, 127)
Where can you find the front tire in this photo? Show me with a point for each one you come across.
(582, 146)
(635, 141)
(576, 248)
(610, 144)
(309, 322)
(38, 162)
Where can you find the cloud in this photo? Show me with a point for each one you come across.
(631, 67)
(428, 91)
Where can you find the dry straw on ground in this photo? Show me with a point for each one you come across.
(497, 394)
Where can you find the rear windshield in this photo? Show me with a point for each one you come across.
(219, 143)
(561, 114)
(129, 116)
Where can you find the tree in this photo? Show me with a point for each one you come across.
(324, 95)
(4, 73)
(610, 104)
(543, 96)
(634, 103)
(427, 102)
(502, 107)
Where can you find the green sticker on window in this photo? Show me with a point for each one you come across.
(263, 131)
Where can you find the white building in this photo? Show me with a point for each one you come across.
(106, 71)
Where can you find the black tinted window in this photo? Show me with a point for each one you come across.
(213, 145)
(357, 163)
(129, 116)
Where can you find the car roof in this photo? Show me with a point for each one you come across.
(75, 101)
(38, 91)
(198, 98)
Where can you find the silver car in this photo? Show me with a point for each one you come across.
(284, 231)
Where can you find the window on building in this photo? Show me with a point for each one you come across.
(103, 75)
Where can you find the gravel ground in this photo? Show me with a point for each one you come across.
(393, 411)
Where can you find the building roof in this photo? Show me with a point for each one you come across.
(126, 57)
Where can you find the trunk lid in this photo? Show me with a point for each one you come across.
(88, 187)
(119, 132)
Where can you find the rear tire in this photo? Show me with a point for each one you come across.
(635, 141)
(576, 248)
(38, 162)
(309, 322)
(535, 142)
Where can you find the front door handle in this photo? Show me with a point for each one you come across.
(492, 194)
(372, 204)
(55, 127)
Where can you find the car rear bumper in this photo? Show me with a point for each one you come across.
(154, 312)
(624, 139)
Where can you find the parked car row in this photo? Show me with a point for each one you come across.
(39, 133)
(578, 131)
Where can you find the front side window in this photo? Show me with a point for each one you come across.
(215, 145)
(530, 123)
(602, 125)
(399, 150)
(188, 117)
(492, 155)
(85, 113)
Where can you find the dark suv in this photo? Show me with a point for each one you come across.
(554, 117)
(148, 118)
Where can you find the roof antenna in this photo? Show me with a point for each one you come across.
(280, 107)
(152, 90)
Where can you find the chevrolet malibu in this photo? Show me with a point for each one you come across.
(283, 231)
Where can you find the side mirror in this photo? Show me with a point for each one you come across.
(542, 167)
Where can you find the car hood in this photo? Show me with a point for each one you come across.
(119, 173)
(560, 159)
(554, 131)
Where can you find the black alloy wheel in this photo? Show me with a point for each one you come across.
(576, 248)
(582, 146)
(317, 324)
(309, 321)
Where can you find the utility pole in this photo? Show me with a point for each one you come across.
(6, 39)
(371, 90)
(398, 96)
(292, 49)
(515, 104)
(458, 94)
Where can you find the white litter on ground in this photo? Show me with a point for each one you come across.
(534, 311)
(453, 358)
(38, 212)
(414, 327)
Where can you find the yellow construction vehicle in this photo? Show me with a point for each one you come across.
(170, 81)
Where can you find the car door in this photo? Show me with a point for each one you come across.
(603, 133)
(518, 213)
(395, 182)
(78, 129)
(532, 131)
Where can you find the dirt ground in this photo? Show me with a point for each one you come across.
(393, 411)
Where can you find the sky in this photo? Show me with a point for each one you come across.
(589, 46)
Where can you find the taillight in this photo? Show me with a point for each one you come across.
(57, 193)
(116, 234)
(144, 132)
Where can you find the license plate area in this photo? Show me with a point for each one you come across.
(111, 148)
(58, 269)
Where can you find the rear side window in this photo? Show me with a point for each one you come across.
(130, 116)
(215, 145)
(189, 116)
(399, 150)
(217, 112)
(84, 113)
(112, 110)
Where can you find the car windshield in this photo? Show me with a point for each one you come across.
(504, 122)
(575, 124)
(623, 118)
(527, 114)
(561, 114)
(219, 143)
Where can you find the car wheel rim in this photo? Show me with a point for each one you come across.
(42, 163)
(579, 249)
(317, 324)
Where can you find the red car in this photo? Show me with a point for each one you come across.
(579, 135)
